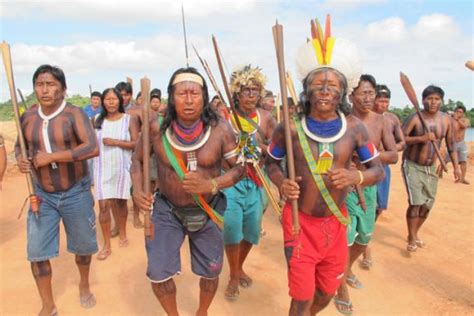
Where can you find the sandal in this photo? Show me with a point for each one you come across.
(354, 282)
(420, 243)
(340, 305)
(88, 301)
(412, 247)
(366, 264)
(104, 253)
(245, 282)
(232, 292)
(123, 243)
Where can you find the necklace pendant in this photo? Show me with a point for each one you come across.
(192, 161)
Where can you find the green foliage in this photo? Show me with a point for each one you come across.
(402, 113)
(6, 108)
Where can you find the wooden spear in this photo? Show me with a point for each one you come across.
(407, 86)
(7, 62)
(145, 90)
(277, 30)
(224, 81)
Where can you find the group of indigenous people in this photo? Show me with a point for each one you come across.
(212, 168)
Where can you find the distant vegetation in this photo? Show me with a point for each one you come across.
(6, 111)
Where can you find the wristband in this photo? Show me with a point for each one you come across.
(361, 177)
(215, 187)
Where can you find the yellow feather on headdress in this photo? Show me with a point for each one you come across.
(246, 76)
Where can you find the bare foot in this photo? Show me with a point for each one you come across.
(123, 242)
(464, 181)
(114, 232)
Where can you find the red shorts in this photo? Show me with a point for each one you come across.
(317, 258)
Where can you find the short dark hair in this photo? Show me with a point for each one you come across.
(96, 94)
(462, 107)
(432, 89)
(269, 94)
(366, 77)
(124, 86)
(139, 94)
(382, 91)
(155, 93)
(216, 97)
(55, 71)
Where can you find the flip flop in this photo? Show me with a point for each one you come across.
(340, 303)
(354, 282)
(232, 292)
(245, 282)
(412, 247)
(103, 254)
(123, 243)
(88, 301)
(366, 264)
(420, 243)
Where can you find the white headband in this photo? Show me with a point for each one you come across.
(188, 77)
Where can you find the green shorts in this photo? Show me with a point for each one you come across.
(362, 222)
(421, 183)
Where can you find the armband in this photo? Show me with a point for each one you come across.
(367, 153)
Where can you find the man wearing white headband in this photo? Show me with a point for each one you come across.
(189, 146)
(324, 140)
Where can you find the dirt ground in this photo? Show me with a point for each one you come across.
(437, 280)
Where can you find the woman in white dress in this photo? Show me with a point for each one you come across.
(112, 181)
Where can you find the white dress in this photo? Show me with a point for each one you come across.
(112, 166)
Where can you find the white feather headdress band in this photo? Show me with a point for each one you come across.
(344, 57)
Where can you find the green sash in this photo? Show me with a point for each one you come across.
(180, 171)
(317, 177)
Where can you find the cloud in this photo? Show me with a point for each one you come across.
(121, 11)
(389, 30)
(436, 27)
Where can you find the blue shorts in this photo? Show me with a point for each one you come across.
(163, 251)
(243, 216)
(76, 208)
(383, 188)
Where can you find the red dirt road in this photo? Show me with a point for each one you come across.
(433, 281)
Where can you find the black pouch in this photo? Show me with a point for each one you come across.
(194, 218)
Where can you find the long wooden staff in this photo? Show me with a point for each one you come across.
(414, 100)
(22, 100)
(224, 81)
(277, 31)
(7, 62)
(210, 76)
(266, 186)
(145, 90)
(291, 88)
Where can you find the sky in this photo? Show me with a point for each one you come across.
(100, 43)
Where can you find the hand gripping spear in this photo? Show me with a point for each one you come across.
(257, 168)
(413, 99)
(7, 62)
(145, 90)
(277, 31)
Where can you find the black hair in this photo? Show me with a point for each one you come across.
(208, 117)
(100, 119)
(462, 107)
(56, 72)
(382, 91)
(368, 78)
(155, 93)
(216, 97)
(139, 94)
(343, 106)
(96, 94)
(431, 89)
(124, 86)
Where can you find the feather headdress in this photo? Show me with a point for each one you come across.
(323, 50)
(246, 75)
